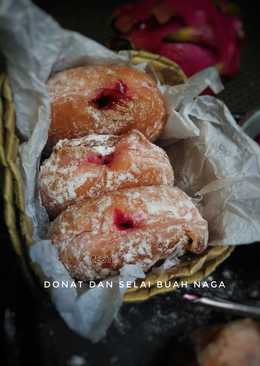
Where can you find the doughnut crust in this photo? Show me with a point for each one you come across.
(104, 99)
(93, 165)
(140, 225)
(233, 344)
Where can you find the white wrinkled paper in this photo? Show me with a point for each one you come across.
(214, 161)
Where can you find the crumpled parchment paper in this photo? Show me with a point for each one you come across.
(214, 161)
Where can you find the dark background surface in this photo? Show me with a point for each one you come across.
(155, 332)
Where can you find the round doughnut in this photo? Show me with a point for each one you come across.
(96, 164)
(142, 225)
(104, 99)
(232, 344)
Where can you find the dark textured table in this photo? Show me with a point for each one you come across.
(156, 332)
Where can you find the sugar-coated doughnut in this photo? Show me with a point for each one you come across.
(232, 344)
(96, 164)
(104, 99)
(96, 238)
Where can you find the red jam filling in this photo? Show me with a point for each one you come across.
(109, 97)
(123, 221)
(97, 159)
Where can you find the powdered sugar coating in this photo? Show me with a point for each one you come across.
(104, 99)
(77, 169)
(138, 225)
(235, 343)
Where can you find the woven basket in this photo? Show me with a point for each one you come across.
(193, 268)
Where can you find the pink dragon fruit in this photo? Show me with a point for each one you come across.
(194, 34)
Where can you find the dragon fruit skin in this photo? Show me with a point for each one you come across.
(150, 39)
(182, 53)
(127, 15)
(193, 33)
